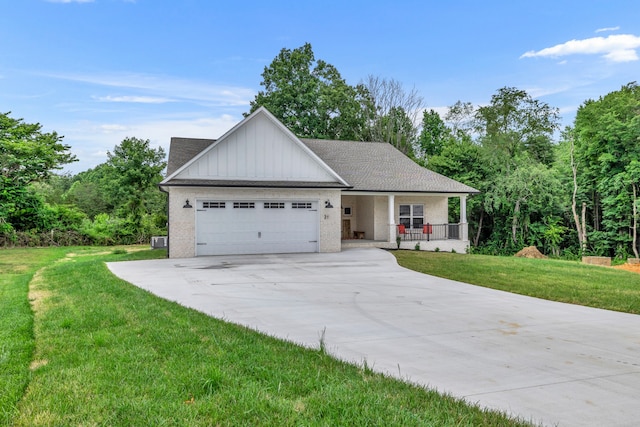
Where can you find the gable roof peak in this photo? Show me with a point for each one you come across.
(249, 134)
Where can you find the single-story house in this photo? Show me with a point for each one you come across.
(260, 189)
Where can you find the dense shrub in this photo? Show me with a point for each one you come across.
(45, 238)
(76, 229)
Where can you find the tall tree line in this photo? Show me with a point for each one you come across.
(568, 192)
(606, 144)
(569, 195)
(312, 99)
(115, 202)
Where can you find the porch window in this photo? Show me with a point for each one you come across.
(411, 216)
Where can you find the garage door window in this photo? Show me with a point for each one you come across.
(213, 205)
(244, 205)
(301, 205)
(274, 205)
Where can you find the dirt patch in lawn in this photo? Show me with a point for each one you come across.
(629, 267)
(530, 252)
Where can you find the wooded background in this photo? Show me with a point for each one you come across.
(570, 191)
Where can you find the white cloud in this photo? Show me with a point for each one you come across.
(538, 92)
(90, 141)
(170, 88)
(134, 99)
(606, 29)
(615, 48)
(623, 55)
(107, 129)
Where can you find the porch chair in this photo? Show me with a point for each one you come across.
(428, 230)
(402, 231)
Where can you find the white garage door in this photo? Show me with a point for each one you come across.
(226, 227)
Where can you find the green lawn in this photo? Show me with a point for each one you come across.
(97, 351)
(565, 281)
(17, 268)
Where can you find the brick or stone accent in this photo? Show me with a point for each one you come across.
(597, 260)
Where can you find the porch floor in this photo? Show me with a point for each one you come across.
(363, 243)
(452, 245)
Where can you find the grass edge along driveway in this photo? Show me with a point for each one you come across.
(108, 353)
(555, 280)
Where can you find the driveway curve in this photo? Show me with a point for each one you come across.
(548, 362)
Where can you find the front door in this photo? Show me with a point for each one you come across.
(346, 229)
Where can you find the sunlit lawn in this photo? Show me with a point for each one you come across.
(556, 280)
(96, 350)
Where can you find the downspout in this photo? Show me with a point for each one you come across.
(168, 221)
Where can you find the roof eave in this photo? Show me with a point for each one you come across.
(254, 185)
(357, 190)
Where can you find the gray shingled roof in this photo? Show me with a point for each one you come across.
(182, 150)
(366, 166)
(378, 166)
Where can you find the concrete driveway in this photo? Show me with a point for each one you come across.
(552, 363)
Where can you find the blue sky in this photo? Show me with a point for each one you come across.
(98, 71)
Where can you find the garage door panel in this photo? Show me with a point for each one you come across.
(256, 227)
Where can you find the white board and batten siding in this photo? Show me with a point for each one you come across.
(258, 151)
(231, 227)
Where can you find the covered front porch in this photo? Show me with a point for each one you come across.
(417, 220)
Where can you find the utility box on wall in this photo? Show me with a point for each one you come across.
(159, 242)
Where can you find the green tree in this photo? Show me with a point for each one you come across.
(460, 118)
(462, 159)
(569, 170)
(311, 98)
(607, 144)
(433, 135)
(93, 191)
(27, 155)
(506, 151)
(515, 132)
(136, 171)
(514, 123)
(632, 172)
(398, 130)
(526, 196)
(54, 188)
(554, 234)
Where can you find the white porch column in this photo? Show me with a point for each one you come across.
(463, 217)
(392, 223)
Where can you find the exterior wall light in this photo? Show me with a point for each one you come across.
(186, 204)
(328, 204)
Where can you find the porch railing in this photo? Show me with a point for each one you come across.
(430, 232)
